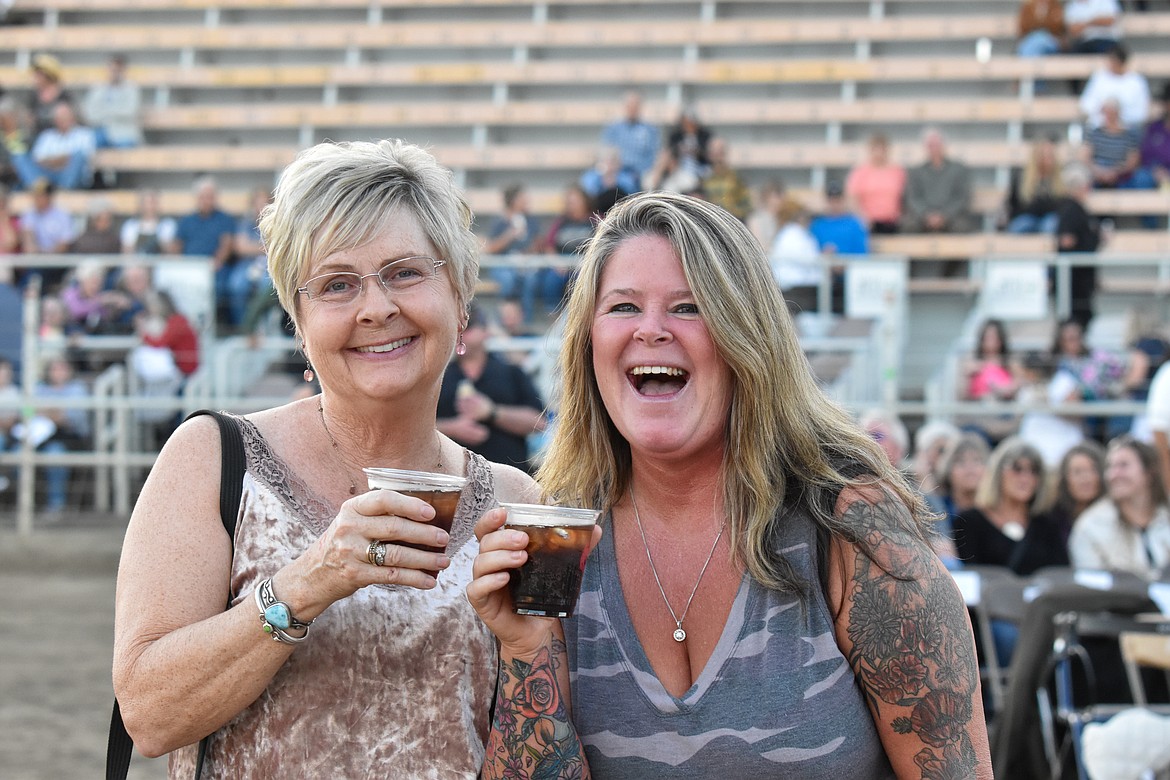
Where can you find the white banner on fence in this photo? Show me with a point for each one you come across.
(1015, 291)
(874, 289)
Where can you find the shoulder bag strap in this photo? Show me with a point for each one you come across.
(120, 747)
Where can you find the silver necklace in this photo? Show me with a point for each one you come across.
(336, 451)
(353, 489)
(679, 633)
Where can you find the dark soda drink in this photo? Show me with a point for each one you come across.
(549, 581)
(441, 491)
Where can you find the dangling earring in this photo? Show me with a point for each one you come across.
(461, 348)
(309, 375)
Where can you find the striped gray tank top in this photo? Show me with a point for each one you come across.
(777, 699)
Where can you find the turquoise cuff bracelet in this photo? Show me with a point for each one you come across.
(276, 617)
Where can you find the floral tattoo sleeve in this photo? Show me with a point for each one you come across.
(912, 647)
(532, 737)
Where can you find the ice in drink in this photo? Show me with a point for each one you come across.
(548, 583)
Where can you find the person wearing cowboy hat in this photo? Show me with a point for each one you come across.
(47, 92)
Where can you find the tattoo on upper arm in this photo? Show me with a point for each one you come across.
(912, 648)
(531, 737)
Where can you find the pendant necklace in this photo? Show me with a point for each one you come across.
(353, 488)
(679, 634)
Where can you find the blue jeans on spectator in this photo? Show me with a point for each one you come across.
(1038, 43)
(103, 140)
(1030, 223)
(75, 175)
(510, 280)
(56, 478)
(1142, 179)
(233, 289)
(547, 283)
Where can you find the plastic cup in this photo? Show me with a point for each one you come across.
(441, 491)
(549, 582)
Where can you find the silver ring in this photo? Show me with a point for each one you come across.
(376, 553)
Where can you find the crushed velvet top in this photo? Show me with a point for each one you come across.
(392, 682)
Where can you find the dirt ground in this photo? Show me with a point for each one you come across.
(56, 637)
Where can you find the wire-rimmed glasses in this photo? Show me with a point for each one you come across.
(341, 287)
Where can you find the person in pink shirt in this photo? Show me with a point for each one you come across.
(875, 187)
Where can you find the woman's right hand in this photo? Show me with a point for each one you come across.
(337, 565)
(501, 550)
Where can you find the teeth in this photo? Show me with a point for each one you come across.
(385, 347)
(646, 370)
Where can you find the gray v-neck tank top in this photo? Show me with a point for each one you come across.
(777, 698)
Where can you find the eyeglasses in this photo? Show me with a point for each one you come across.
(396, 276)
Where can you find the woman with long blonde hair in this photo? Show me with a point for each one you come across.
(757, 545)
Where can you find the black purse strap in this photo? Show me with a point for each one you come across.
(120, 747)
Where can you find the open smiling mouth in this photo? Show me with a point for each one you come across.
(657, 380)
(386, 347)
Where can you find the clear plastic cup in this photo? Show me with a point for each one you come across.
(441, 491)
(549, 582)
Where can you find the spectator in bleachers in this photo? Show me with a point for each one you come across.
(47, 93)
(1080, 481)
(959, 473)
(1158, 418)
(148, 232)
(607, 181)
(1045, 384)
(46, 228)
(888, 430)
(689, 141)
(249, 251)
(90, 306)
(931, 441)
(1117, 81)
(1147, 348)
(63, 153)
(101, 235)
(128, 298)
(209, 231)
(114, 107)
(10, 238)
(1010, 495)
(669, 175)
(1114, 153)
(1092, 26)
(566, 236)
(723, 185)
(1129, 529)
(70, 426)
(989, 373)
(1035, 193)
(795, 257)
(1155, 152)
(1040, 28)
(638, 141)
(938, 192)
(837, 230)
(876, 187)
(13, 142)
(515, 232)
(1079, 232)
(1098, 371)
(486, 403)
(8, 416)
(161, 325)
(763, 221)
(56, 332)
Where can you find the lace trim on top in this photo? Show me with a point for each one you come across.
(307, 506)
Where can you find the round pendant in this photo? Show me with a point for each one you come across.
(679, 634)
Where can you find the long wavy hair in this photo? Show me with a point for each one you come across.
(788, 447)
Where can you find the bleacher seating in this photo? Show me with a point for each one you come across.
(235, 87)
